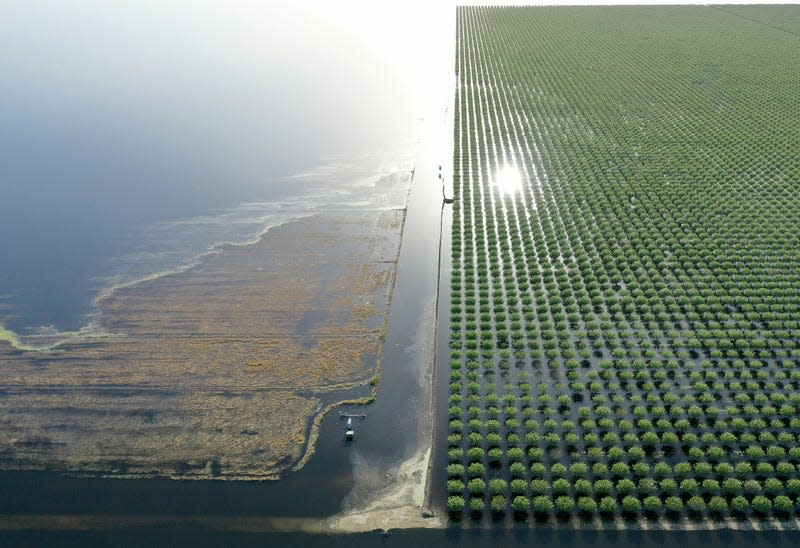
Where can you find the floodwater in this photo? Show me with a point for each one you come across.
(134, 138)
(136, 135)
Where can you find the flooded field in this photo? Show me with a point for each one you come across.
(218, 370)
(203, 360)
(624, 305)
(376, 482)
(197, 281)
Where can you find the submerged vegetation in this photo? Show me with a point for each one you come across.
(223, 370)
(625, 336)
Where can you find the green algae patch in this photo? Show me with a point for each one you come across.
(13, 339)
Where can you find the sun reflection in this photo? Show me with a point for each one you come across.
(507, 180)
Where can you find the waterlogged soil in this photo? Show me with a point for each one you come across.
(216, 371)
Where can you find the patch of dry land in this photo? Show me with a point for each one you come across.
(216, 371)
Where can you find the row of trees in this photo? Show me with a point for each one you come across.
(629, 506)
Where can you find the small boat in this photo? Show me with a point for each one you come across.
(349, 432)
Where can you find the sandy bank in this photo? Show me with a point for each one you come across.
(397, 504)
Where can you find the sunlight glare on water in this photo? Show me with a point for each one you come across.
(508, 180)
(119, 117)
